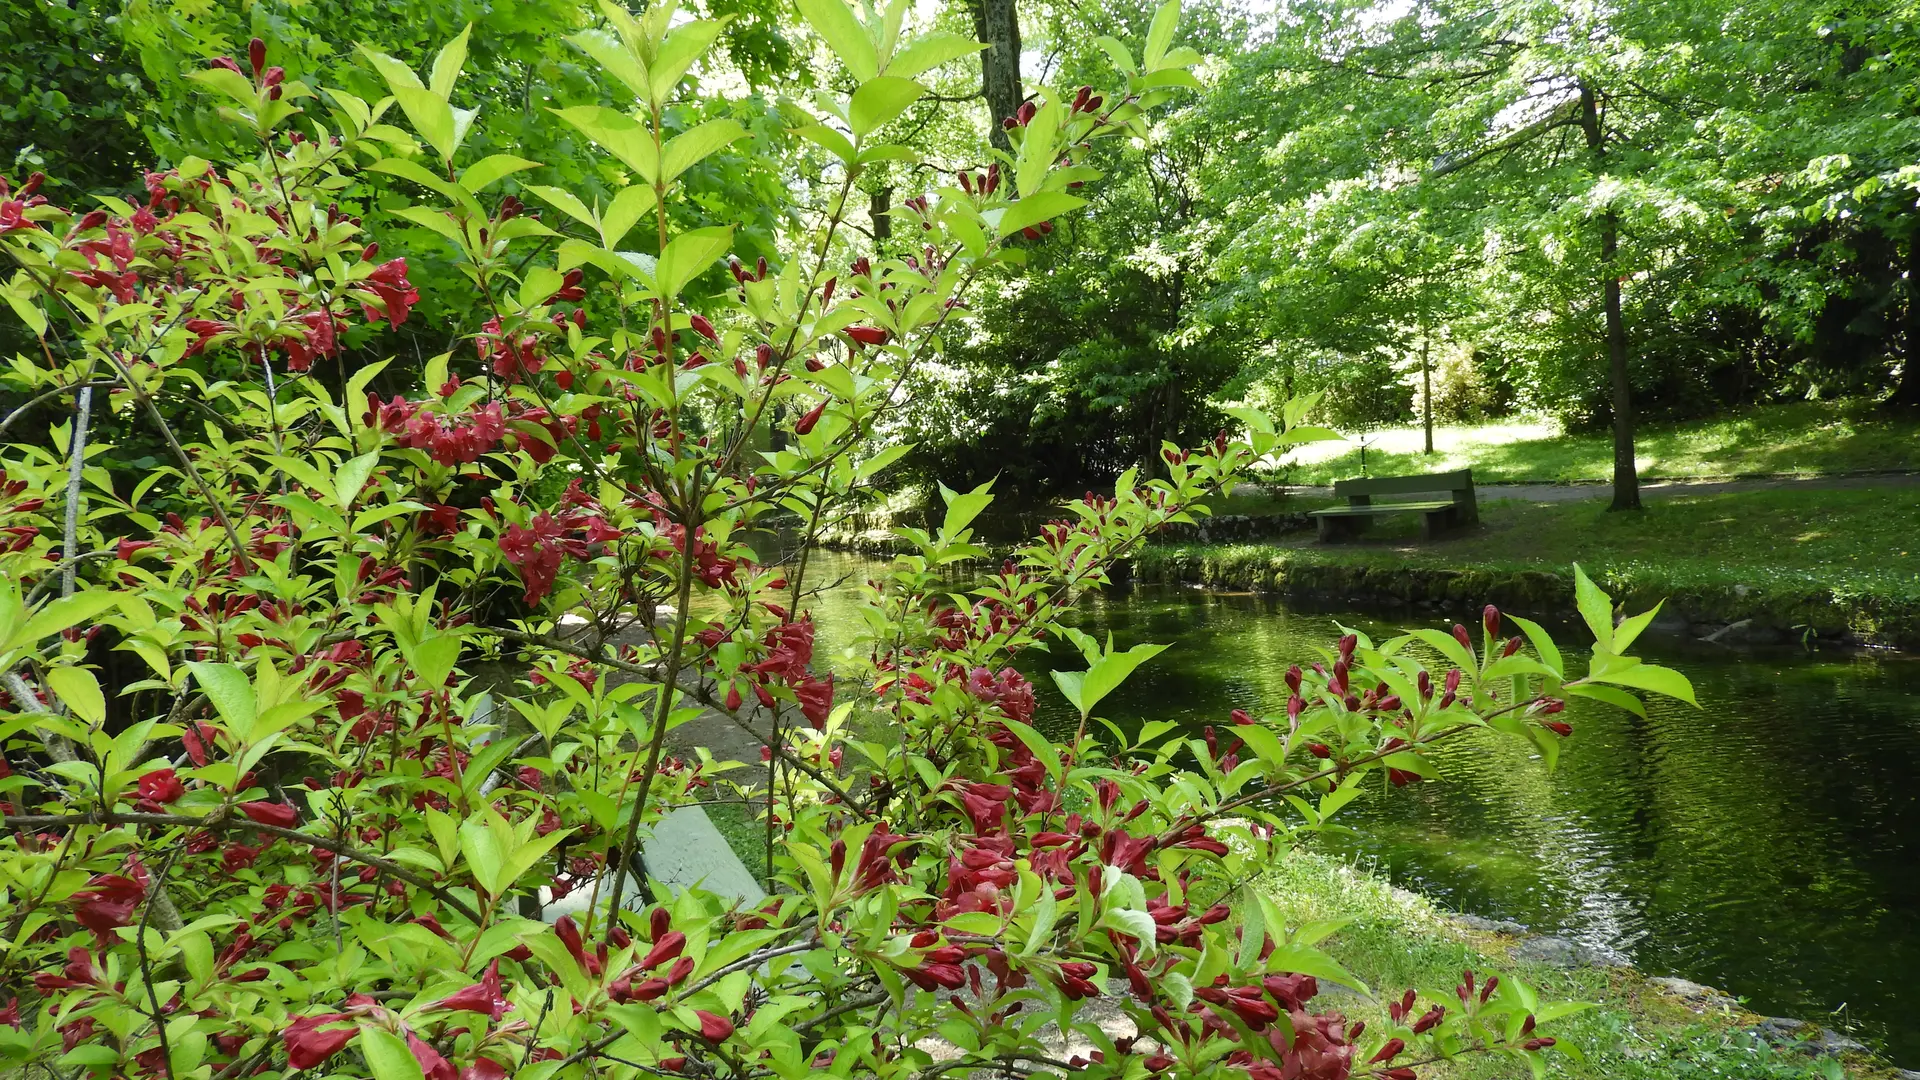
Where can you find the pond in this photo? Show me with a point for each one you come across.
(1767, 843)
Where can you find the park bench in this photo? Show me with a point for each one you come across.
(1439, 515)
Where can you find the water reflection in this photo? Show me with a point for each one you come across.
(1768, 843)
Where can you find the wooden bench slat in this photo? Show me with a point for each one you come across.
(1382, 508)
(1458, 480)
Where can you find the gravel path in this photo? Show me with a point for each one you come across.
(1655, 489)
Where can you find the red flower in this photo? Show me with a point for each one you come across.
(482, 997)
(237, 857)
(667, 948)
(816, 700)
(704, 328)
(713, 1028)
(484, 1068)
(388, 282)
(161, 786)
(431, 1063)
(867, 335)
(282, 815)
(108, 902)
(308, 1046)
(806, 423)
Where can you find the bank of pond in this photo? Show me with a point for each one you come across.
(1767, 843)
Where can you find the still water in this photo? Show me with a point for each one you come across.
(1767, 843)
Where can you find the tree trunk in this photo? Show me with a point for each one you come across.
(880, 209)
(1907, 394)
(1626, 477)
(1426, 389)
(997, 24)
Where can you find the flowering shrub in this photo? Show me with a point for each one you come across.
(296, 842)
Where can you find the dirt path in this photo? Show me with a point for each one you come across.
(1656, 489)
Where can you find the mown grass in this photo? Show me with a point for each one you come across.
(1849, 541)
(1824, 562)
(1397, 940)
(1805, 439)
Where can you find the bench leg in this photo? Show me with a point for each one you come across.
(1436, 522)
(1329, 530)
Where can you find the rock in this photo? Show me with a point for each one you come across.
(1808, 1038)
(1491, 926)
(1746, 632)
(1693, 995)
(1905, 1074)
(1561, 953)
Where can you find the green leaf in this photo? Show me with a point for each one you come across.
(434, 658)
(691, 147)
(962, 509)
(431, 116)
(388, 1056)
(831, 140)
(834, 21)
(1542, 643)
(1651, 677)
(231, 83)
(1117, 52)
(572, 206)
(478, 175)
(1160, 35)
(1042, 747)
(1617, 698)
(1070, 684)
(81, 691)
(879, 100)
(447, 63)
(1595, 607)
(687, 43)
(61, 614)
(690, 254)
(619, 135)
(1034, 209)
(352, 476)
(231, 693)
(1629, 629)
(1307, 960)
(1113, 669)
(929, 51)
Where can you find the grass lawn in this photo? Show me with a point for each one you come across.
(1857, 541)
(1801, 439)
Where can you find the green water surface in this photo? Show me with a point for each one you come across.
(1767, 843)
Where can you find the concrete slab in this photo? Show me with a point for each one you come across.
(684, 851)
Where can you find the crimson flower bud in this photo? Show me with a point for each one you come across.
(32, 185)
(1558, 727)
(1513, 646)
(1241, 718)
(1549, 706)
(704, 328)
(1490, 618)
(826, 291)
(1389, 1051)
(714, 1028)
(1460, 635)
(1493, 983)
(1431, 1020)
(257, 55)
(1538, 1044)
(271, 813)
(807, 422)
